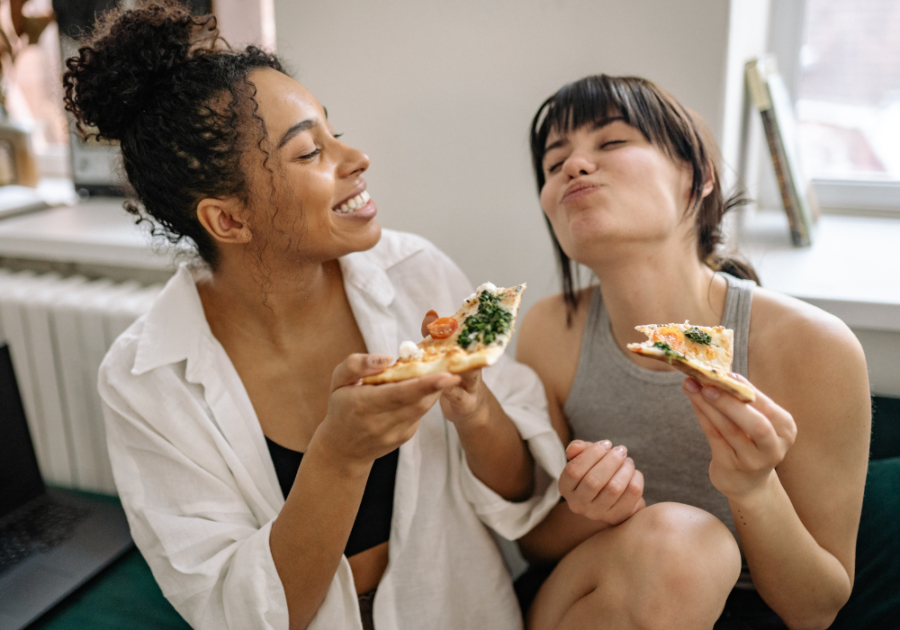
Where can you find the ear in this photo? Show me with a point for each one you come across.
(710, 181)
(224, 220)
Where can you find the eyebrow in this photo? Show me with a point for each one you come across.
(599, 124)
(300, 127)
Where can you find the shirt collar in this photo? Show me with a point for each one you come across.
(175, 327)
(367, 271)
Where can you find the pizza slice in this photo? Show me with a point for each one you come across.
(476, 336)
(703, 353)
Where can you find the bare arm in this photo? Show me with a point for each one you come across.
(557, 535)
(495, 451)
(797, 523)
(363, 423)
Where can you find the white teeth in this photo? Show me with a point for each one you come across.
(355, 203)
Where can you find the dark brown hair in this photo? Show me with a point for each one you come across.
(665, 123)
(167, 87)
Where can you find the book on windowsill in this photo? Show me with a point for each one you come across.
(770, 97)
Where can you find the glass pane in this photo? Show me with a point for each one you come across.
(848, 100)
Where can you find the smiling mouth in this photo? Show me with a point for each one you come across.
(352, 204)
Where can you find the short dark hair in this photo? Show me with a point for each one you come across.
(166, 86)
(665, 123)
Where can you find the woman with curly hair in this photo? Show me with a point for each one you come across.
(264, 484)
(630, 189)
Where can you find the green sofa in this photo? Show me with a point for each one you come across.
(875, 602)
(126, 596)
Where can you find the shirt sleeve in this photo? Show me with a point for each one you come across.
(521, 394)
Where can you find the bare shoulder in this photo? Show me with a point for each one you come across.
(790, 338)
(549, 342)
(811, 364)
(550, 345)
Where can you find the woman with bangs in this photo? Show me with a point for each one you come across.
(683, 506)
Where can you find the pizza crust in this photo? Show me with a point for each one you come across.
(446, 355)
(708, 364)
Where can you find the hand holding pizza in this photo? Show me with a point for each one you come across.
(601, 482)
(463, 402)
(748, 439)
(365, 422)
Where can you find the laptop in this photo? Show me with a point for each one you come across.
(51, 541)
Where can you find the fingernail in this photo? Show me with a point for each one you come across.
(711, 393)
(691, 385)
(629, 460)
(606, 444)
(621, 449)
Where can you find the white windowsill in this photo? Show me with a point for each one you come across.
(852, 269)
(92, 232)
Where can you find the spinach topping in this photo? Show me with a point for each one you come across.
(670, 352)
(698, 336)
(490, 321)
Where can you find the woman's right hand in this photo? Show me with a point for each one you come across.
(600, 482)
(365, 422)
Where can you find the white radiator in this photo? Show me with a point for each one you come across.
(59, 329)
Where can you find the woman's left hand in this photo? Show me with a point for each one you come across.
(748, 440)
(467, 402)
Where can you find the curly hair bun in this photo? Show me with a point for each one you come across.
(131, 57)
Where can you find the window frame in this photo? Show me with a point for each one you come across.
(846, 197)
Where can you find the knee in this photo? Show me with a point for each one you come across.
(689, 544)
(691, 560)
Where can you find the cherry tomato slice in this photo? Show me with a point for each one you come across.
(442, 328)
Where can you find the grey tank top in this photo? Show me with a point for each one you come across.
(614, 399)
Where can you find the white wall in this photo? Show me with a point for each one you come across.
(441, 95)
(243, 22)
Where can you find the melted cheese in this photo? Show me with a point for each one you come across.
(716, 354)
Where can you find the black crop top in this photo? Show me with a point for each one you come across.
(373, 521)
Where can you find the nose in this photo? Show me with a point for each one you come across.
(578, 164)
(354, 162)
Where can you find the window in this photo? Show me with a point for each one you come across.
(31, 67)
(30, 75)
(843, 62)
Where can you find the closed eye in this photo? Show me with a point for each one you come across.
(310, 155)
(610, 143)
(554, 167)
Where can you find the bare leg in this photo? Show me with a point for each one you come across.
(669, 566)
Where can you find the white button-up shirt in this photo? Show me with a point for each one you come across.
(200, 490)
